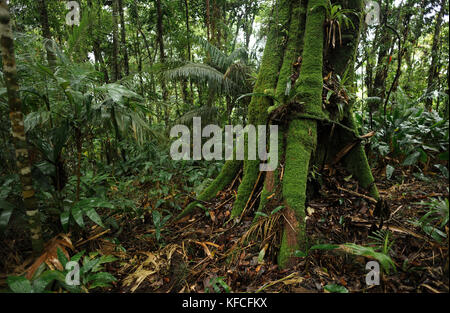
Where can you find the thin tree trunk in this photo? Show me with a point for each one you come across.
(99, 58)
(116, 67)
(116, 73)
(433, 71)
(138, 56)
(405, 32)
(123, 39)
(18, 131)
(43, 14)
(96, 46)
(188, 32)
(208, 21)
(159, 27)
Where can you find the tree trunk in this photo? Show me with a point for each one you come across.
(18, 130)
(311, 133)
(51, 57)
(116, 73)
(159, 27)
(115, 59)
(96, 44)
(188, 32)
(405, 33)
(208, 21)
(124, 39)
(433, 71)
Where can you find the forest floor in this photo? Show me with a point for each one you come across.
(204, 253)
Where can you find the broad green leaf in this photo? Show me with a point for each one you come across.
(411, 159)
(40, 283)
(104, 259)
(261, 214)
(19, 284)
(98, 284)
(77, 257)
(385, 261)
(88, 264)
(159, 202)
(102, 277)
(156, 218)
(225, 286)
(93, 215)
(94, 203)
(77, 214)
(440, 167)
(61, 257)
(5, 214)
(335, 288)
(300, 254)
(325, 246)
(278, 208)
(65, 216)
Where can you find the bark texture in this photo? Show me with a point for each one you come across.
(17, 125)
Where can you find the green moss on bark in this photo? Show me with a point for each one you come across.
(272, 179)
(293, 49)
(267, 79)
(310, 82)
(302, 135)
(300, 144)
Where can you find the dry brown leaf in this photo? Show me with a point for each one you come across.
(294, 280)
(205, 248)
(150, 269)
(50, 256)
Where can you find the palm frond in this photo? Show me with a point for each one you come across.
(204, 73)
(80, 33)
(217, 57)
(34, 119)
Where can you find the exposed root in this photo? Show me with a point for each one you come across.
(357, 164)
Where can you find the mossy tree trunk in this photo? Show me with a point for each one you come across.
(312, 133)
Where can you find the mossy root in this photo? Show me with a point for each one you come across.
(301, 139)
